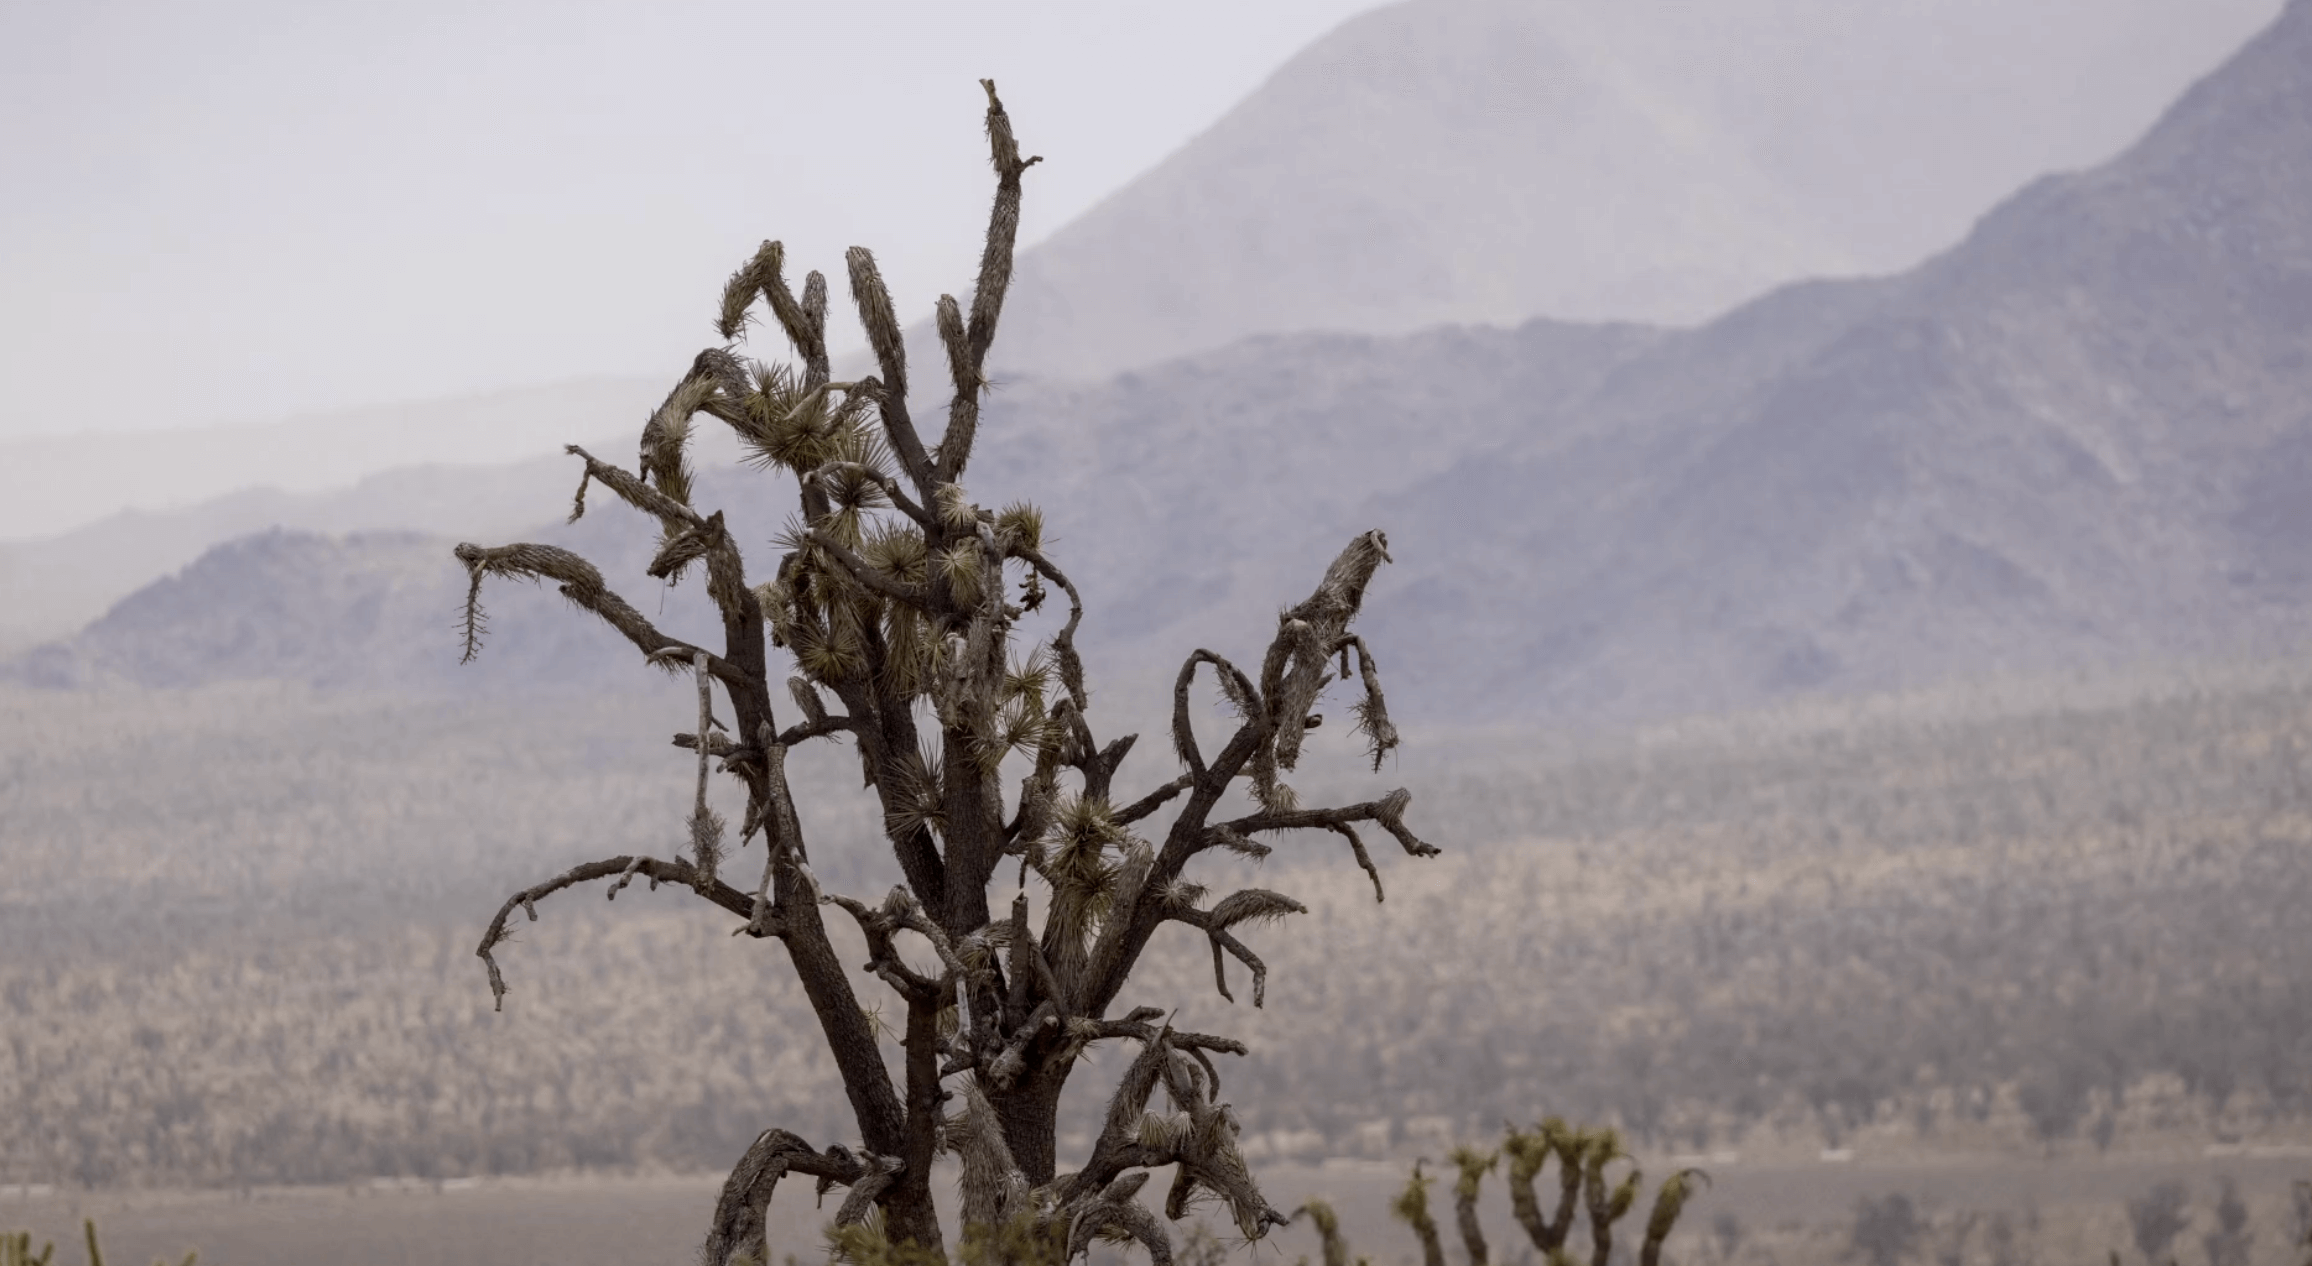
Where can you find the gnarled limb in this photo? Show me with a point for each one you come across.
(1203, 1142)
(877, 925)
(1114, 1213)
(1248, 906)
(1154, 800)
(624, 869)
(740, 1223)
(581, 582)
(1388, 811)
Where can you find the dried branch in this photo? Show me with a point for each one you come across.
(1071, 665)
(1373, 710)
(881, 323)
(1298, 663)
(867, 1188)
(740, 1227)
(625, 868)
(1114, 1212)
(1388, 811)
(877, 924)
(994, 1190)
(1233, 684)
(1248, 906)
(634, 492)
(817, 727)
(1154, 800)
(582, 584)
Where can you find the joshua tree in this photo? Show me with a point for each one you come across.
(892, 597)
(1584, 1158)
(2156, 1218)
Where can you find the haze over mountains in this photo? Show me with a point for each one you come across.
(1432, 162)
(1497, 160)
(2082, 435)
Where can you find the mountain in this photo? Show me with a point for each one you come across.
(63, 582)
(1491, 161)
(382, 610)
(2083, 435)
(56, 583)
(1433, 162)
(51, 485)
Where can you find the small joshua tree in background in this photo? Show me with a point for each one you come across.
(892, 597)
(1886, 1230)
(2156, 1218)
(1585, 1186)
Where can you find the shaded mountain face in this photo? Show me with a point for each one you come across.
(383, 611)
(2083, 435)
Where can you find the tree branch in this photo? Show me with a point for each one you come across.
(582, 584)
(624, 868)
(1154, 800)
(1388, 811)
(740, 1226)
(1233, 684)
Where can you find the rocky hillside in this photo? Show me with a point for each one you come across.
(2083, 433)
(2080, 436)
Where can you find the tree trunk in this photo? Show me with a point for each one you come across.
(1030, 1119)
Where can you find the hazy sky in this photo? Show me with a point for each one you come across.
(232, 211)
(235, 211)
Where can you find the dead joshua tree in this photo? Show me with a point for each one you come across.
(890, 597)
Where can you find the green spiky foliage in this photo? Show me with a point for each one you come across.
(929, 633)
(1472, 1166)
(1588, 1185)
(16, 1249)
(1411, 1207)
(1328, 1225)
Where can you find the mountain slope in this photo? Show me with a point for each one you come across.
(1635, 160)
(1425, 163)
(2083, 435)
(51, 485)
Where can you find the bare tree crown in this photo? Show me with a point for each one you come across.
(894, 600)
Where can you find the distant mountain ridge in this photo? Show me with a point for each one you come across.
(1493, 161)
(2083, 435)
